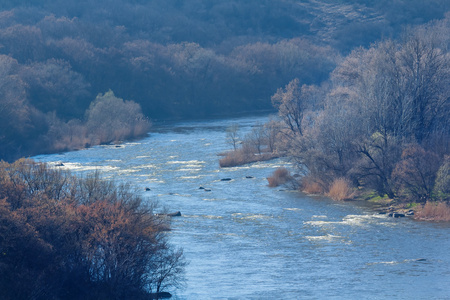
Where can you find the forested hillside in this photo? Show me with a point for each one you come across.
(169, 59)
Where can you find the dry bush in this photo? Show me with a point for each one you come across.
(434, 212)
(312, 185)
(241, 157)
(279, 176)
(232, 159)
(341, 189)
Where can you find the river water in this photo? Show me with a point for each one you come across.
(244, 240)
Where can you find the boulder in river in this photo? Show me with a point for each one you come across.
(175, 214)
(396, 215)
(160, 295)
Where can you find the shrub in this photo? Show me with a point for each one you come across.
(232, 159)
(312, 185)
(433, 211)
(111, 119)
(242, 157)
(341, 189)
(279, 176)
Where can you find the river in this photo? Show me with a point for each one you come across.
(244, 240)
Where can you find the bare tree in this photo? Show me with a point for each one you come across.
(290, 105)
(233, 137)
(256, 138)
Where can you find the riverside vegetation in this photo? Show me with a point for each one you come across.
(379, 124)
(67, 237)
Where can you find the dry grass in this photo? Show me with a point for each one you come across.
(233, 158)
(313, 186)
(433, 211)
(241, 157)
(279, 177)
(341, 189)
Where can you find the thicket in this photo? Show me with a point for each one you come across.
(174, 58)
(259, 144)
(279, 176)
(63, 237)
(381, 122)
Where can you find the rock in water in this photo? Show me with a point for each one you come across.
(160, 295)
(175, 214)
(396, 215)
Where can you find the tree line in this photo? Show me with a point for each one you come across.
(67, 237)
(176, 59)
(381, 121)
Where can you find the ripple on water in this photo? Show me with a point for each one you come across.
(293, 209)
(210, 217)
(214, 199)
(196, 162)
(80, 167)
(146, 166)
(188, 170)
(327, 238)
(192, 177)
(250, 216)
(394, 262)
(351, 220)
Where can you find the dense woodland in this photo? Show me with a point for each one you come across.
(176, 59)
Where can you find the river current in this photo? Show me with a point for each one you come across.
(244, 240)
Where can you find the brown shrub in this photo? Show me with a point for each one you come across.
(241, 157)
(232, 159)
(341, 189)
(312, 185)
(279, 176)
(433, 211)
